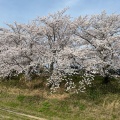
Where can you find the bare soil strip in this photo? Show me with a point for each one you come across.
(22, 114)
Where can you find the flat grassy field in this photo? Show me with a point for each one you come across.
(100, 102)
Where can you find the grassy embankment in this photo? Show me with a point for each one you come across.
(100, 102)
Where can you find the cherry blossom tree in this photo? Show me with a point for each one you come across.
(100, 35)
(90, 43)
(57, 33)
(20, 48)
(95, 46)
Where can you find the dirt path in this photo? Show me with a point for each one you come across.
(22, 114)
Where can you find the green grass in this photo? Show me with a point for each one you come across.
(21, 98)
(100, 102)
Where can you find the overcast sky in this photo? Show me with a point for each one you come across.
(23, 11)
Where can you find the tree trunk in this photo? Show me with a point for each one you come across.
(51, 67)
(106, 79)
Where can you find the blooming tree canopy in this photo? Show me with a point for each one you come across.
(101, 35)
(65, 46)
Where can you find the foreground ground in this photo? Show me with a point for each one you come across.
(8, 114)
(100, 102)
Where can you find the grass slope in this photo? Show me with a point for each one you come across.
(100, 102)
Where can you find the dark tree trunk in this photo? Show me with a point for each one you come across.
(106, 79)
(51, 67)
